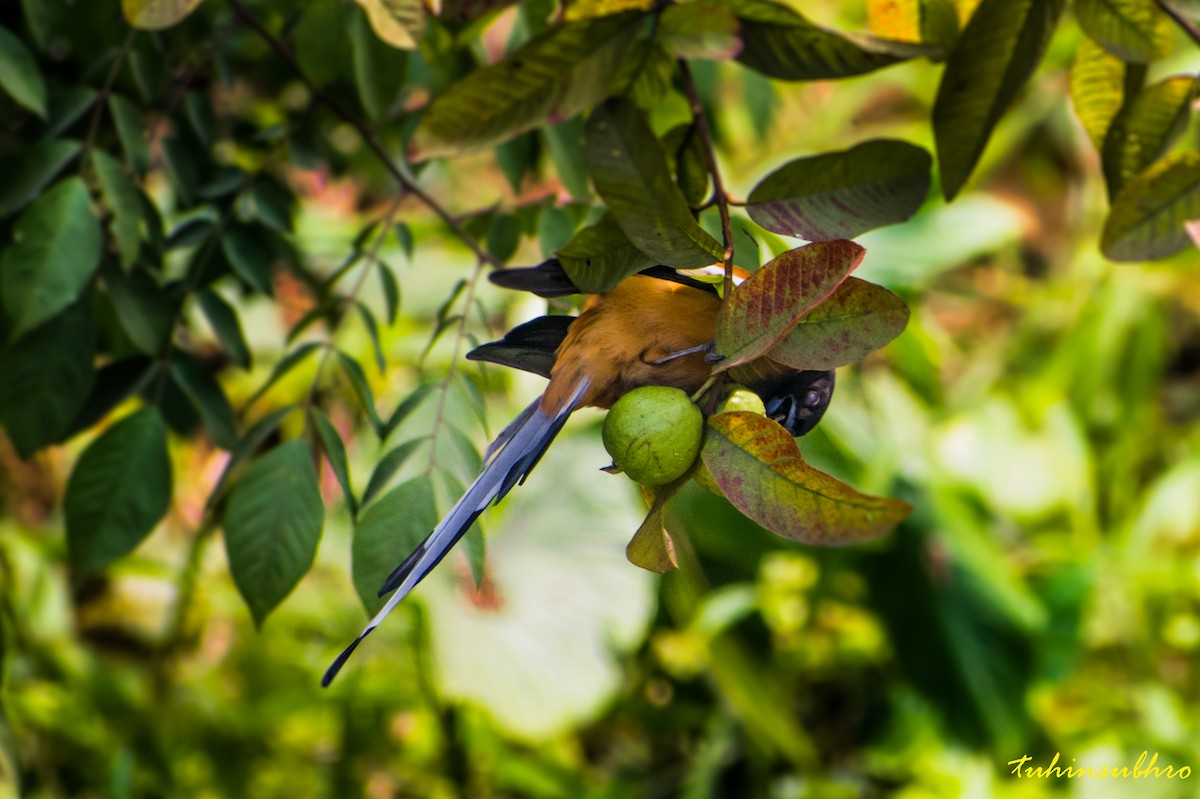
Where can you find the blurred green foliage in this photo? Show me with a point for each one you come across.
(1039, 413)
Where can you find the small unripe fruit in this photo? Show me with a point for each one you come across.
(740, 398)
(737, 398)
(654, 433)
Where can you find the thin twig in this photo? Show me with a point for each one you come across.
(102, 98)
(710, 155)
(398, 171)
(460, 335)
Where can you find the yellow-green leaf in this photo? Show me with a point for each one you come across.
(1097, 86)
(1145, 128)
(759, 468)
(400, 23)
(1132, 30)
(1149, 216)
(153, 15)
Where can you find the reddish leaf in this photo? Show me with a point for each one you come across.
(858, 318)
(761, 311)
(758, 466)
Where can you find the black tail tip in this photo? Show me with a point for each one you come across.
(337, 664)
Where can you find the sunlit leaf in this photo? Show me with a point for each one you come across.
(1145, 128)
(1132, 30)
(588, 9)
(118, 492)
(1097, 88)
(156, 14)
(759, 468)
(601, 255)
(400, 23)
(19, 74)
(843, 194)
(929, 21)
(272, 526)
(121, 197)
(629, 171)
(780, 43)
(29, 170)
(764, 308)
(651, 547)
(993, 58)
(115, 382)
(45, 377)
(858, 318)
(699, 29)
(548, 80)
(1148, 216)
(55, 250)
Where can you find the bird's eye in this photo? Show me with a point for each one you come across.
(812, 399)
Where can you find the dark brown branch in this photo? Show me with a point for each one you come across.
(1189, 27)
(407, 184)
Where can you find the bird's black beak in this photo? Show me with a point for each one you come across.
(800, 403)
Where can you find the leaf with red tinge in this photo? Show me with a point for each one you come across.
(758, 466)
(858, 318)
(843, 194)
(761, 311)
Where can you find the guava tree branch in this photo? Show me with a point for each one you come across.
(398, 171)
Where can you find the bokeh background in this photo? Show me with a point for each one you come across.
(1039, 413)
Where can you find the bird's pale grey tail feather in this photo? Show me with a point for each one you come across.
(520, 447)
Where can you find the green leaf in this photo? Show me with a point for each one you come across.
(387, 533)
(391, 291)
(994, 57)
(843, 194)
(121, 197)
(335, 454)
(1132, 30)
(699, 29)
(55, 251)
(550, 79)
(207, 397)
(225, 324)
(271, 204)
(780, 43)
(181, 167)
(379, 70)
(115, 382)
(45, 376)
(630, 173)
(153, 15)
(372, 327)
(66, 106)
(272, 526)
(406, 407)
(773, 300)
(19, 74)
(146, 312)
(563, 143)
(759, 469)
(504, 233)
(321, 46)
(858, 318)
(247, 445)
(555, 229)
(1148, 216)
(131, 131)
(646, 74)
(248, 256)
(651, 547)
(1145, 128)
(387, 467)
(1097, 89)
(400, 23)
(26, 172)
(362, 390)
(118, 492)
(600, 256)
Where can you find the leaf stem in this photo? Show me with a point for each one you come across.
(398, 170)
(102, 98)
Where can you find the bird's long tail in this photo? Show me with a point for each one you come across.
(509, 460)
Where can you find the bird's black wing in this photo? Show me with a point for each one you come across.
(530, 346)
(550, 279)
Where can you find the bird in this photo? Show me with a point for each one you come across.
(653, 328)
